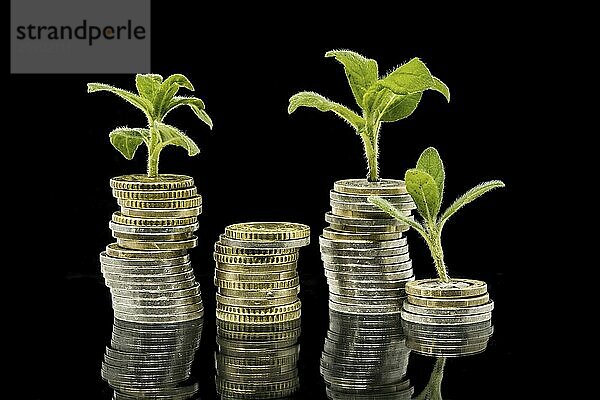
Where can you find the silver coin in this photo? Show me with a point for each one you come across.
(455, 320)
(160, 319)
(176, 269)
(259, 293)
(362, 292)
(369, 277)
(358, 198)
(365, 260)
(360, 222)
(449, 311)
(363, 186)
(355, 309)
(153, 230)
(446, 351)
(161, 212)
(151, 237)
(332, 234)
(114, 250)
(149, 279)
(156, 310)
(348, 300)
(369, 269)
(106, 259)
(369, 207)
(259, 277)
(144, 293)
(394, 251)
(161, 302)
(144, 245)
(264, 244)
(369, 229)
(150, 287)
(360, 244)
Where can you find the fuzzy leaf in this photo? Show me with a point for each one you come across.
(412, 77)
(361, 72)
(127, 140)
(202, 115)
(148, 85)
(315, 100)
(194, 103)
(168, 89)
(132, 98)
(401, 107)
(468, 197)
(441, 87)
(394, 212)
(430, 162)
(170, 135)
(423, 190)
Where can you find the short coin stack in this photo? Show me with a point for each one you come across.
(257, 361)
(148, 269)
(365, 357)
(152, 361)
(448, 318)
(364, 253)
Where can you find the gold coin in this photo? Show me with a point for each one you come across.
(448, 302)
(249, 277)
(231, 250)
(143, 182)
(255, 260)
(114, 250)
(257, 268)
(191, 202)
(260, 311)
(267, 231)
(152, 237)
(256, 336)
(156, 245)
(284, 284)
(119, 218)
(261, 303)
(259, 293)
(435, 288)
(155, 194)
(362, 186)
(340, 212)
(369, 229)
(332, 234)
(162, 213)
(258, 319)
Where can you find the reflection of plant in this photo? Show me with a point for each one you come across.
(433, 389)
(387, 99)
(156, 98)
(425, 183)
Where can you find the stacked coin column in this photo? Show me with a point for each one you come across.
(152, 361)
(364, 253)
(148, 270)
(258, 310)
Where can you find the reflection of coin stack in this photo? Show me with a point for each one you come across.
(152, 361)
(258, 310)
(448, 318)
(257, 361)
(365, 357)
(365, 257)
(148, 269)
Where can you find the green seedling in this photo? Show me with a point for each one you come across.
(156, 98)
(425, 184)
(433, 389)
(390, 98)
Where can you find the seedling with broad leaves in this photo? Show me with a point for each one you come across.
(425, 184)
(156, 98)
(390, 98)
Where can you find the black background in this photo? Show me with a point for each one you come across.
(261, 164)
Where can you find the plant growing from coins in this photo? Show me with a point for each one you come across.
(156, 98)
(425, 184)
(390, 98)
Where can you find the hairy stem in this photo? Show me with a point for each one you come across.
(371, 151)
(153, 152)
(435, 245)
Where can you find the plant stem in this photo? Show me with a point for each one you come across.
(438, 258)
(153, 153)
(372, 154)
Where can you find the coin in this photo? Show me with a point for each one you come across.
(369, 277)
(156, 310)
(106, 259)
(367, 292)
(259, 293)
(260, 311)
(449, 302)
(278, 326)
(445, 320)
(160, 302)
(360, 222)
(145, 293)
(257, 303)
(262, 277)
(140, 182)
(374, 215)
(114, 250)
(258, 319)
(332, 234)
(152, 237)
(155, 194)
(150, 279)
(360, 253)
(362, 186)
(353, 300)
(369, 208)
(176, 269)
(153, 230)
(161, 212)
(191, 202)
(260, 336)
(161, 318)
(438, 289)
(256, 260)
(369, 229)
(449, 311)
(270, 231)
(363, 198)
(156, 245)
(257, 268)
(261, 244)
(365, 260)
(119, 218)
(363, 284)
(156, 287)
(370, 269)
(222, 249)
(360, 244)
(440, 351)
(246, 285)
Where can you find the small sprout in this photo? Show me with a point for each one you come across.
(156, 98)
(425, 184)
(386, 99)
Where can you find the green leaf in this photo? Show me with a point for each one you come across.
(441, 87)
(394, 212)
(401, 107)
(168, 89)
(148, 85)
(468, 197)
(424, 191)
(127, 140)
(169, 135)
(315, 100)
(412, 77)
(430, 162)
(202, 115)
(140, 102)
(194, 103)
(361, 72)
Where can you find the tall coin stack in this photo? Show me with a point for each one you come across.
(148, 270)
(257, 361)
(448, 318)
(152, 361)
(364, 253)
(365, 357)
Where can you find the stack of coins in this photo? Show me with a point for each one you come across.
(448, 318)
(152, 361)
(256, 272)
(148, 269)
(364, 253)
(257, 361)
(365, 357)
